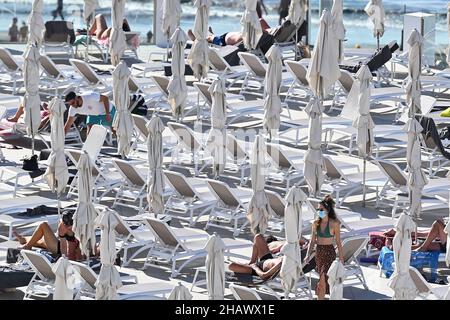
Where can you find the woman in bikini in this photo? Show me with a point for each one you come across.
(65, 243)
(325, 234)
(100, 29)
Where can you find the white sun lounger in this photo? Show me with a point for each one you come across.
(56, 76)
(298, 71)
(231, 207)
(150, 290)
(190, 199)
(424, 288)
(12, 66)
(396, 188)
(244, 293)
(170, 248)
(91, 78)
(221, 68)
(133, 186)
(43, 282)
(256, 74)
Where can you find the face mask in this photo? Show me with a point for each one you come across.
(322, 214)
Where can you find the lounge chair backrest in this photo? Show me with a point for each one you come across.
(277, 154)
(203, 90)
(276, 202)
(223, 193)
(427, 104)
(421, 284)
(86, 273)
(179, 183)
(86, 71)
(59, 32)
(49, 66)
(162, 83)
(217, 62)
(94, 141)
(74, 155)
(8, 60)
(39, 263)
(346, 80)
(244, 293)
(353, 246)
(331, 170)
(122, 228)
(393, 173)
(129, 172)
(235, 149)
(140, 124)
(184, 135)
(162, 232)
(298, 70)
(253, 63)
(132, 85)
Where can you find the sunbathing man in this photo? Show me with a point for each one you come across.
(97, 107)
(262, 262)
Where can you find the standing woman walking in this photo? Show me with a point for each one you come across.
(326, 233)
(283, 10)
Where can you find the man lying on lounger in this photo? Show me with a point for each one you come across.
(262, 263)
(95, 106)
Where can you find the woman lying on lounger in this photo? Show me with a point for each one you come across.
(66, 243)
(45, 113)
(435, 238)
(262, 263)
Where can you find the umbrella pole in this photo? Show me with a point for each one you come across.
(296, 43)
(364, 183)
(167, 47)
(378, 40)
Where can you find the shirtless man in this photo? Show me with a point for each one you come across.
(228, 38)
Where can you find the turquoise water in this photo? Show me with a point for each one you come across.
(225, 16)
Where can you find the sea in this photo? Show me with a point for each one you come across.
(225, 16)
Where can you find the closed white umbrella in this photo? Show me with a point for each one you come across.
(32, 100)
(401, 281)
(297, 14)
(89, 9)
(88, 15)
(416, 177)
(117, 42)
(364, 123)
(198, 56)
(336, 276)
(64, 279)
(322, 74)
(375, 11)
(108, 280)
(155, 128)
(314, 166)
(177, 84)
(123, 121)
(85, 214)
(291, 267)
(259, 209)
(323, 70)
(217, 136)
(297, 11)
(215, 268)
(171, 13)
(338, 26)
(180, 292)
(36, 24)
(272, 101)
(57, 174)
(251, 27)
